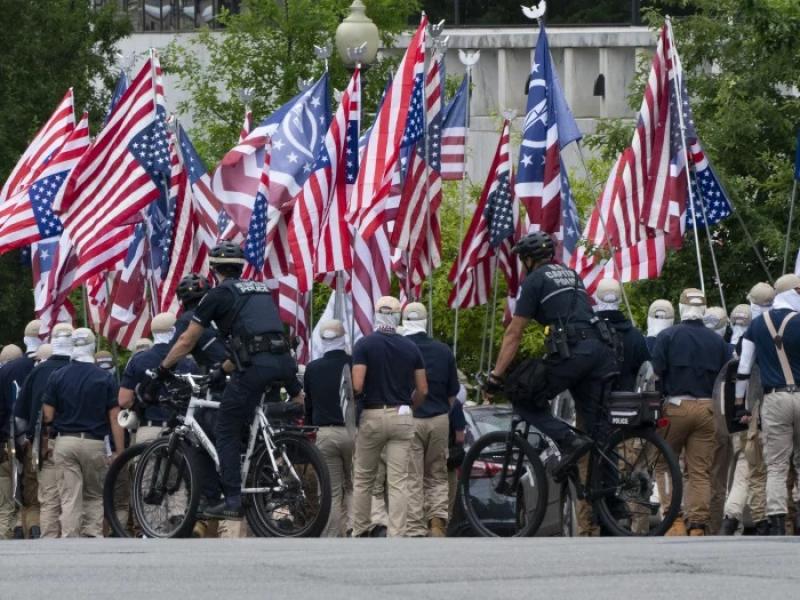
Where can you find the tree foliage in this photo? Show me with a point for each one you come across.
(48, 46)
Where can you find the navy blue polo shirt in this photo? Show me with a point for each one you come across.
(322, 383)
(29, 404)
(209, 350)
(136, 373)
(14, 371)
(688, 357)
(440, 369)
(391, 361)
(767, 354)
(82, 394)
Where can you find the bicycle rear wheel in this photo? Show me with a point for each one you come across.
(636, 484)
(117, 491)
(166, 490)
(498, 506)
(300, 507)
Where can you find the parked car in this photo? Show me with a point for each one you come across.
(498, 511)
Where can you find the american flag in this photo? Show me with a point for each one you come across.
(641, 211)
(44, 259)
(256, 242)
(570, 223)
(454, 131)
(319, 198)
(126, 167)
(539, 178)
(706, 189)
(490, 234)
(28, 216)
(226, 228)
(43, 146)
(382, 152)
(206, 207)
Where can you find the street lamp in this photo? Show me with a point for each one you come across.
(355, 31)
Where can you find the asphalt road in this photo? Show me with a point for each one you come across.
(572, 569)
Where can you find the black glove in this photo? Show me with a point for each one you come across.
(161, 374)
(217, 378)
(492, 384)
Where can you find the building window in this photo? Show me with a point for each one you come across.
(171, 15)
(507, 12)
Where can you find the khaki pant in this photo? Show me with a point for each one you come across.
(720, 470)
(378, 513)
(147, 434)
(749, 477)
(691, 429)
(49, 499)
(382, 428)
(82, 463)
(8, 510)
(336, 446)
(427, 474)
(780, 419)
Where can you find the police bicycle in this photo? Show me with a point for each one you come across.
(286, 486)
(630, 476)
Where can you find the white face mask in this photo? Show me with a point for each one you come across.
(163, 337)
(656, 325)
(600, 306)
(691, 313)
(334, 343)
(62, 345)
(31, 344)
(414, 327)
(386, 322)
(757, 309)
(789, 299)
(83, 353)
(738, 332)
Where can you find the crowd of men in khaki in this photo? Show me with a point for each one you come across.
(387, 453)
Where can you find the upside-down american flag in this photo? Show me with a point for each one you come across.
(490, 236)
(45, 143)
(708, 192)
(367, 205)
(642, 210)
(125, 169)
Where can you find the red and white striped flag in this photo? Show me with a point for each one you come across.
(367, 205)
(44, 145)
(323, 193)
(127, 166)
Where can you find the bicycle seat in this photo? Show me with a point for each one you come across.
(284, 410)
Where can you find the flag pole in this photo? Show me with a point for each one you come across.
(679, 94)
(483, 336)
(789, 226)
(617, 268)
(468, 60)
(710, 246)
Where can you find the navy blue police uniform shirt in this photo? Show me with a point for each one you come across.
(688, 357)
(29, 405)
(766, 353)
(634, 348)
(14, 371)
(458, 422)
(554, 294)
(209, 350)
(391, 361)
(81, 394)
(442, 375)
(136, 373)
(322, 384)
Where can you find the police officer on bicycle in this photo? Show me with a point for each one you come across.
(209, 350)
(247, 318)
(581, 354)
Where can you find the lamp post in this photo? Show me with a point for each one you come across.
(356, 30)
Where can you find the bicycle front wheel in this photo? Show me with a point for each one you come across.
(117, 491)
(166, 490)
(503, 486)
(636, 484)
(295, 500)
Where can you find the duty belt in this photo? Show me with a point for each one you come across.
(270, 342)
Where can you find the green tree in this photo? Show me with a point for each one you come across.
(268, 47)
(48, 46)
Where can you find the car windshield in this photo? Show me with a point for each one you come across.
(491, 418)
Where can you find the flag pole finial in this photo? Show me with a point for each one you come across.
(535, 12)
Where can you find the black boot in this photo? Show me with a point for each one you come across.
(762, 527)
(729, 526)
(36, 533)
(571, 451)
(19, 534)
(777, 524)
(797, 518)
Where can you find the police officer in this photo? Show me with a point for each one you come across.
(581, 351)
(80, 401)
(634, 347)
(209, 351)
(388, 379)
(28, 413)
(322, 382)
(687, 358)
(162, 326)
(427, 477)
(12, 378)
(773, 342)
(247, 317)
(660, 316)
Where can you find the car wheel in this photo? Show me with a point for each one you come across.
(569, 511)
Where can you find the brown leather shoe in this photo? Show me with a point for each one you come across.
(438, 527)
(696, 530)
(678, 529)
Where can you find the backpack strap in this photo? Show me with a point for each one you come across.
(777, 338)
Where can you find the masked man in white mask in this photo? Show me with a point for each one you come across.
(773, 342)
(716, 319)
(740, 321)
(761, 296)
(388, 380)
(80, 402)
(325, 382)
(427, 477)
(687, 358)
(660, 316)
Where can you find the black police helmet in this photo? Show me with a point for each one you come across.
(537, 245)
(226, 253)
(192, 288)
